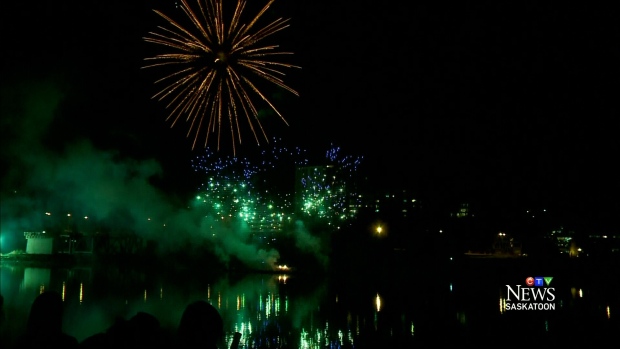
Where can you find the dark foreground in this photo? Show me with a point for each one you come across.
(397, 301)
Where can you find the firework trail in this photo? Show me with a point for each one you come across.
(209, 65)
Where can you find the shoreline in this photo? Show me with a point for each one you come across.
(465, 260)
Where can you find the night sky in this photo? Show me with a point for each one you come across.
(509, 105)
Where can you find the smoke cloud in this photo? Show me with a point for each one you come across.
(100, 188)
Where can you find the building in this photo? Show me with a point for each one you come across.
(42, 242)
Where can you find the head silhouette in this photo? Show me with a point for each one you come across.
(145, 331)
(201, 326)
(46, 314)
(44, 325)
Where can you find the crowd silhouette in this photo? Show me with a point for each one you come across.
(201, 326)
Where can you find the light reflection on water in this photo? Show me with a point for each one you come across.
(294, 311)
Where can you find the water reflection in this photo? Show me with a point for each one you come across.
(268, 310)
(303, 311)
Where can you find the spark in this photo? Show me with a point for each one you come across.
(208, 70)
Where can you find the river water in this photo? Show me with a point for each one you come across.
(459, 303)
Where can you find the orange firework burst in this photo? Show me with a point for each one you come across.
(210, 65)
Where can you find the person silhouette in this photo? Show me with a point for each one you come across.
(2, 322)
(143, 330)
(201, 326)
(44, 324)
(1, 310)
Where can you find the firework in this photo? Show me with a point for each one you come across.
(210, 65)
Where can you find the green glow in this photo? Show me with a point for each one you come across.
(324, 198)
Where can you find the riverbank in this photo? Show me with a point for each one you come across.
(47, 260)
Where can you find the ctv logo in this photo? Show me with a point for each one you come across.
(535, 295)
